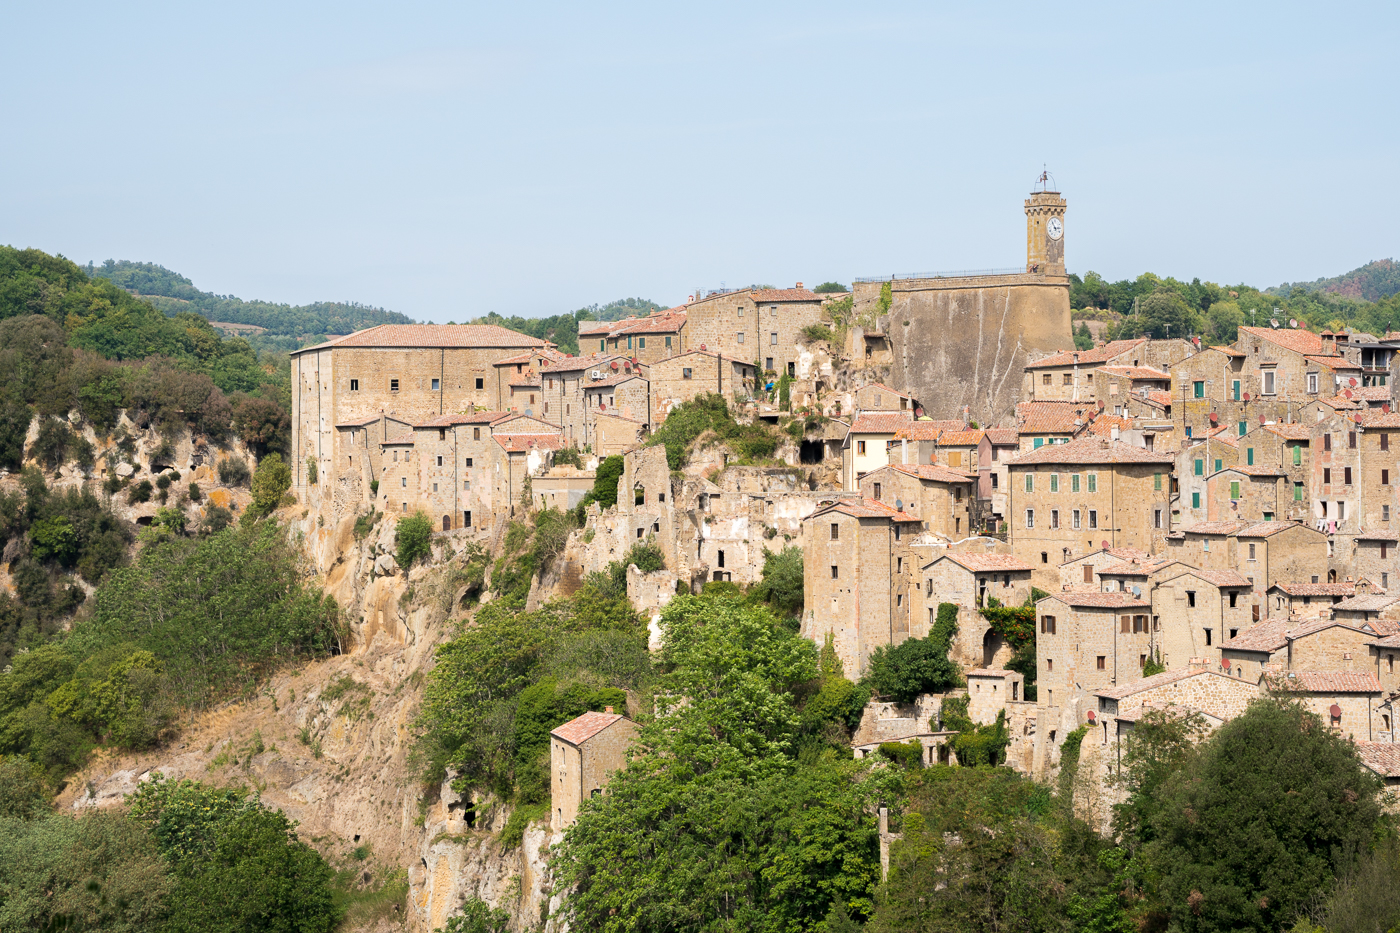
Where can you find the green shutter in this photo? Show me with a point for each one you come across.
(602, 344)
(1244, 428)
(1054, 482)
(1157, 482)
(1297, 454)
(1237, 390)
(1037, 442)
(1093, 482)
(1234, 490)
(1297, 492)
(1218, 464)
(1199, 389)
(1200, 467)
(1195, 500)
(1249, 456)
(1030, 482)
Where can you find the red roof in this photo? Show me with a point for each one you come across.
(1138, 372)
(870, 508)
(934, 472)
(1101, 600)
(1374, 418)
(1299, 341)
(1156, 680)
(1289, 432)
(437, 335)
(1267, 636)
(580, 730)
(1333, 362)
(1051, 417)
(1003, 437)
(988, 672)
(1093, 450)
(523, 443)
(880, 422)
(1214, 528)
(989, 563)
(1101, 354)
(473, 417)
(1325, 681)
(1381, 757)
(1316, 589)
(359, 422)
(960, 438)
(927, 430)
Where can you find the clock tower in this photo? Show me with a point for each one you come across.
(1045, 230)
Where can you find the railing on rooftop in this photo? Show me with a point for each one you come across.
(956, 274)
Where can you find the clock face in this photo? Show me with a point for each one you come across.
(1055, 228)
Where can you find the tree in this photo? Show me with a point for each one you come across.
(262, 424)
(1083, 338)
(1258, 824)
(783, 580)
(271, 481)
(916, 665)
(1164, 313)
(1223, 322)
(827, 288)
(413, 539)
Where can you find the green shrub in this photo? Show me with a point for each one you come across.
(646, 555)
(216, 519)
(917, 665)
(413, 539)
(568, 456)
(195, 493)
(310, 471)
(139, 493)
(908, 755)
(271, 482)
(233, 471)
(364, 524)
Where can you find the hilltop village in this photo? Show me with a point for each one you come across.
(1194, 524)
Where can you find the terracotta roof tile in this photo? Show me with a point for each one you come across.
(1101, 354)
(1325, 682)
(1367, 602)
(1289, 432)
(1381, 757)
(1315, 589)
(870, 508)
(1266, 529)
(1138, 372)
(1003, 437)
(934, 472)
(1093, 450)
(522, 443)
(1267, 636)
(1102, 600)
(1222, 578)
(399, 440)
(1251, 470)
(988, 672)
(1228, 351)
(1214, 528)
(1377, 535)
(927, 430)
(990, 563)
(1374, 418)
(881, 422)
(1050, 417)
(1122, 691)
(437, 335)
(881, 385)
(960, 438)
(1333, 362)
(580, 730)
(1160, 396)
(1103, 425)
(1299, 341)
(473, 417)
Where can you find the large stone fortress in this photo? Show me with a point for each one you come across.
(962, 340)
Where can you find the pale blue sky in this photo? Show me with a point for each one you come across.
(445, 160)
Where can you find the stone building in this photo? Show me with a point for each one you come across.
(682, 377)
(614, 434)
(457, 459)
(1192, 688)
(855, 579)
(1194, 612)
(1069, 376)
(409, 372)
(754, 324)
(1204, 455)
(1247, 494)
(998, 446)
(1119, 386)
(1262, 552)
(1344, 700)
(1081, 574)
(1066, 500)
(1040, 422)
(968, 579)
(877, 396)
(583, 754)
(656, 336)
(866, 444)
(939, 497)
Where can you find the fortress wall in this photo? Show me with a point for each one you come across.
(964, 341)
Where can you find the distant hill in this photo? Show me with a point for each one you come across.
(283, 326)
(1375, 281)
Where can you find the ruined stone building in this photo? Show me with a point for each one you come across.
(583, 754)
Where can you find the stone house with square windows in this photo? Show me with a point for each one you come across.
(1119, 386)
(360, 457)
(1385, 661)
(939, 497)
(615, 434)
(1344, 700)
(998, 446)
(1246, 494)
(917, 441)
(1066, 500)
(583, 755)
(1070, 376)
(1262, 552)
(408, 372)
(1192, 687)
(1336, 474)
(625, 394)
(857, 567)
(866, 445)
(968, 579)
(682, 377)
(656, 336)
(1081, 573)
(759, 325)
(1308, 598)
(1195, 611)
(876, 396)
(1052, 422)
(456, 462)
(1373, 556)
(1200, 457)
(1291, 364)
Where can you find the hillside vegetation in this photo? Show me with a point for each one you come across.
(1375, 281)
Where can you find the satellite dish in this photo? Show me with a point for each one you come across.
(1246, 396)
(1347, 393)
(899, 505)
(1091, 715)
(1105, 545)
(1137, 591)
(1292, 322)
(1273, 322)
(1352, 381)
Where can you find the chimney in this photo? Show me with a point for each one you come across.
(607, 709)
(1197, 664)
(799, 285)
(1113, 432)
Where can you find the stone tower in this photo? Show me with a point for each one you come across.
(1045, 233)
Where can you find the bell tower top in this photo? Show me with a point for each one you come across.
(1045, 229)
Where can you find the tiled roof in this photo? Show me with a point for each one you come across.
(1223, 435)
(1366, 602)
(1299, 341)
(359, 422)
(398, 440)
(1138, 372)
(934, 472)
(1136, 567)
(871, 508)
(1316, 589)
(1122, 553)
(1053, 417)
(437, 335)
(520, 359)
(1267, 636)
(1251, 470)
(881, 422)
(1214, 528)
(1148, 683)
(1289, 432)
(1266, 529)
(1325, 681)
(1342, 403)
(1381, 757)
(960, 438)
(521, 443)
(1093, 450)
(1102, 600)
(1003, 437)
(785, 294)
(1088, 357)
(1222, 578)
(1228, 351)
(927, 430)
(989, 563)
(1377, 535)
(570, 364)
(988, 672)
(1103, 425)
(1160, 397)
(1333, 362)
(526, 380)
(510, 416)
(1374, 418)
(1372, 393)
(613, 414)
(610, 381)
(473, 417)
(580, 730)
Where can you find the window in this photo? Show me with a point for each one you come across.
(1047, 625)
(1326, 475)
(1208, 638)
(1252, 546)
(739, 311)
(1218, 464)
(434, 487)
(1054, 518)
(899, 564)
(1326, 440)
(668, 343)
(1156, 518)
(480, 383)
(437, 385)
(466, 519)
(772, 310)
(860, 447)
(476, 436)
(1088, 573)
(877, 491)
(1093, 518)
(1190, 598)
(1385, 440)
(1093, 482)
(1069, 380)
(1195, 500)
(1030, 482)
(404, 506)
(773, 338)
(768, 362)
(1312, 383)
(1100, 662)
(1234, 600)
(403, 481)
(1249, 456)
(1235, 389)
(685, 372)
(1385, 513)
(355, 387)
(1045, 557)
(1351, 440)
(1036, 442)
(835, 532)
(1030, 518)
(1346, 476)
(1234, 489)
(1157, 482)
(1385, 550)
(1243, 428)
(835, 572)
(995, 485)
(1054, 478)
(739, 336)
(1198, 389)
(439, 461)
(1199, 468)
(1045, 379)
(393, 385)
(1297, 454)
(546, 408)
(1269, 377)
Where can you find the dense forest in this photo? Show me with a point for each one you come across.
(1375, 281)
